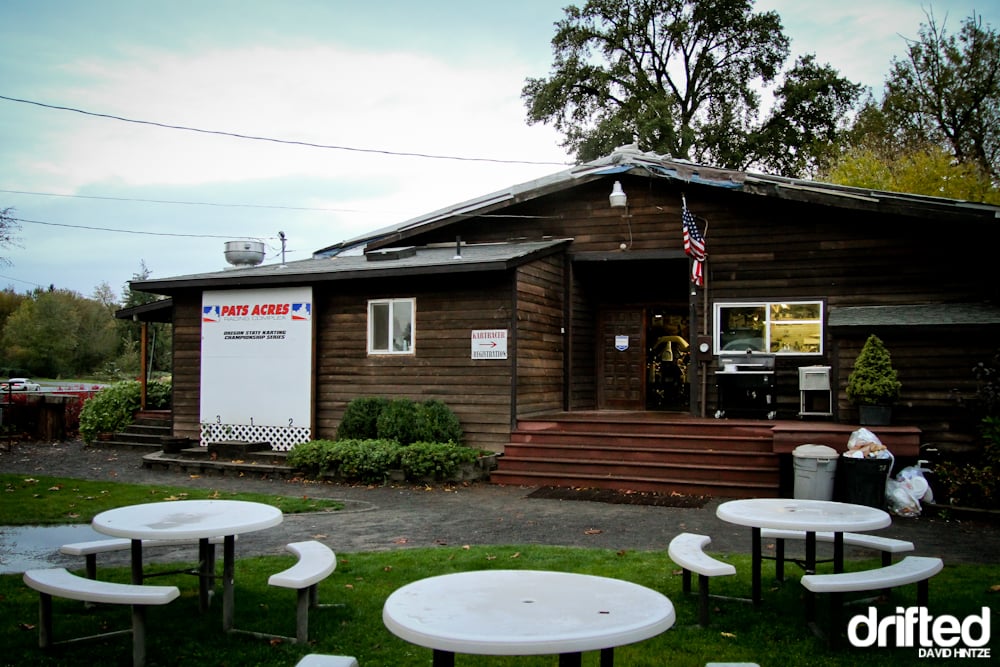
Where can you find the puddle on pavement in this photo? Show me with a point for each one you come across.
(26, 547)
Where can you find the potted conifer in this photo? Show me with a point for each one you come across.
(873, 385)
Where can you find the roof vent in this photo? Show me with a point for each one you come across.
(244, 253)
(390, 253)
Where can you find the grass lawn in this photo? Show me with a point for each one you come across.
(31, 500)
(177, 634)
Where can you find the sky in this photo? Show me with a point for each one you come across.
(368, 114)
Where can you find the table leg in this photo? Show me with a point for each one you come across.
(204, 574)
(607, 657)
(228, 574)
(810, 552)
(571, 659)
(443, 658)
(838, 552)
(755, 550)
(137, 562)
(810, 597)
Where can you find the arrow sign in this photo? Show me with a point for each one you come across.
(489, 343)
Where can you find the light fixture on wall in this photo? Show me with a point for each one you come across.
(618, 197)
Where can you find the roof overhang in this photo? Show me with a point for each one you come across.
(427, 260)
(915, 315)
(161, 310)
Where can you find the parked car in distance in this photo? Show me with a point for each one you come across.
(20, 384)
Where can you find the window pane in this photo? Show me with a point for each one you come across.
(742, 328)
(402, 326)
(380, 326)
(794, 311)
(798, 337)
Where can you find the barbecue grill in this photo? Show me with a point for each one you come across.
(745, 384)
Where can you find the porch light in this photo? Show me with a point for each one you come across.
(618, 197)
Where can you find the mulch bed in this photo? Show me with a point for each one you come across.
(619, 497)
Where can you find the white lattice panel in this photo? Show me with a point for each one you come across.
(282, 438)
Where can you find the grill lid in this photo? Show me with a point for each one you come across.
(744, 362)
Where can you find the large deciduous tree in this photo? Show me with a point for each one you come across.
(947, 91)
(686, 78)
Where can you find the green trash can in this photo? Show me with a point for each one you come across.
(862, 481)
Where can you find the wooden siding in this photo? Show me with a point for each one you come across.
(447, 310)
(187, 365)
(771, 249)
(760, 249)
(540, 343)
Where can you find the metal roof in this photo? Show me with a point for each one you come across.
(395, 262)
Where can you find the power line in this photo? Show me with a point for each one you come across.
(186, 203)
(133, 231)
(251, 137)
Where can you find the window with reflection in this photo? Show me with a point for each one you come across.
(786, 327)
(391, 326)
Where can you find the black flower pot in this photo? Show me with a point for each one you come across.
(875, 415)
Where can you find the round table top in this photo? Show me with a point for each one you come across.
(802, 514)
(525, 612)
(186, 519)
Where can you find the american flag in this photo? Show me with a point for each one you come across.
(694, 245)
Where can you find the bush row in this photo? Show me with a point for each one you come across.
(401, 419)
(371, 461)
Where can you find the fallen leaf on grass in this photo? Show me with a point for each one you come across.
(25, 626)
(593, 531)
(995, 588)
(466, 547)
(55, 488)
(728, 635)
(516, 555)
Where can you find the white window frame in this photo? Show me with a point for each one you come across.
(767, 324)
(410, 345)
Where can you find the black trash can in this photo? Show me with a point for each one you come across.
(862, 481)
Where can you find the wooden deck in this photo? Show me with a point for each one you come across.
(673, 453)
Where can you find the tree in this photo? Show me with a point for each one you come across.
(947, 91)
(8, 232)
(685, 77)
(58, 333)
(928, 170)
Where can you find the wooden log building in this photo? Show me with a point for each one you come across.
(544, 308)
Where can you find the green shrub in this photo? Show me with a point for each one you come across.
(361, 460)
(370, 461)
(311, 457)
(398, 421)
(114, 407)
(873, 380)
(437, 460)
(360, 420)
(437, 423)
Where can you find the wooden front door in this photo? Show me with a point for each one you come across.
(621, 359)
